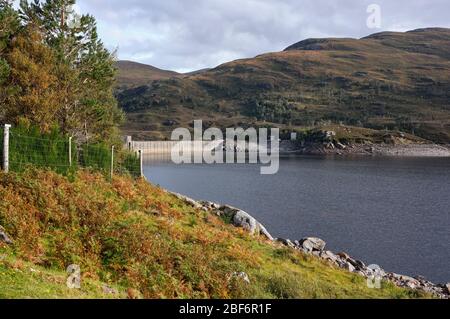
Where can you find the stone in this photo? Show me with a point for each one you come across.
(210, 205)
(244, 220)
(286, 242)
(4, 238)
(357, 263)
(447, 288)
(328, 255)
(241, 276)
(341, 146)
(263, 231)
(349, 267)
(239, 218)
(313, 244)
(108, 290)
(344, 256)
(188, 201)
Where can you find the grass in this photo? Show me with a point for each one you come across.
(137, 238)
(24, 280)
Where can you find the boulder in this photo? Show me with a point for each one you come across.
(359, 265)
(4, 238)
(311, 244)
(330, 256)
(239, 218)
(447, 288)
(348, 266)
(244, 220)
(188, 201)
(286, 242)
(344, 256)
(210, 205)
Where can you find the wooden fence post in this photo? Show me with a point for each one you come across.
(112, 161)
(70, 151)
(129, 142)
(141, 166)
(6, 148)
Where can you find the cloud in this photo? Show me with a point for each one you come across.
(186, 35)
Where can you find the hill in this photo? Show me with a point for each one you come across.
(131, 74)
(389, 80)
(132, 239)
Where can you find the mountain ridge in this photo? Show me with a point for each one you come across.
(387, 80)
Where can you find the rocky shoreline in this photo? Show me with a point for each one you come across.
(316, 247)
(335, 148)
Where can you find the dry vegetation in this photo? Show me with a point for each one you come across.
(144, 242)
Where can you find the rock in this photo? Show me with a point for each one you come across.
(311, 244)
(286, 242)
(188, 201)
(341, 146)
(359, 265)
(447, 288)
(241, 276)
(210, 205)
(244, 220)
(344, 256)
(420, 278)
(330, 256)
(108, 290)
(263, 231)
(349, 267)
(239, 218)
(4, 238)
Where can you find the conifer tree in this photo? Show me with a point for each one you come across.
(84, 67)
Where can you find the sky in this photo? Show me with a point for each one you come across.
(187, 35)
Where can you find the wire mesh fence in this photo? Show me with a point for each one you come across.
(63, 155)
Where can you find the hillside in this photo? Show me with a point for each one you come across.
(134, 240)
(396, 81)
(131, 74)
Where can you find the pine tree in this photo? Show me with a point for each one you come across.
(85, 68)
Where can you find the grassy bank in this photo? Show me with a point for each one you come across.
(141, 241)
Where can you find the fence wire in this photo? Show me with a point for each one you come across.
(65, 156)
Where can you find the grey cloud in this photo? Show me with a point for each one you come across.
(186, 35)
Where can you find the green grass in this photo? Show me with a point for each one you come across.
(24, 280)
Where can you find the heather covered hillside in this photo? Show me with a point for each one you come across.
(133, 240)
(398, 81)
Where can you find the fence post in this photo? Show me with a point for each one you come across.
(112, 161)
(70, 151)
(141, 166)
(129, 142)
(6, 148)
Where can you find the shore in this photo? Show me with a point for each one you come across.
(400, 150)
(316, 247)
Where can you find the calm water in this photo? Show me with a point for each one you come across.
(389, 211)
